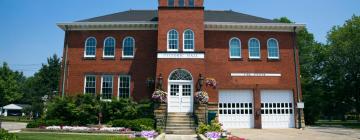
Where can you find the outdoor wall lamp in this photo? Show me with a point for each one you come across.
(200, 82)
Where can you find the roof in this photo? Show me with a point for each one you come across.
(15, 106)
(152, 15)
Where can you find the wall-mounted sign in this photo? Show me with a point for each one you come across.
(300, 105)
(256, 74)
(181, 55)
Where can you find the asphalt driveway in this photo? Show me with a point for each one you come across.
(309, 133)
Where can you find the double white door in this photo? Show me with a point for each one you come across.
(180, 97)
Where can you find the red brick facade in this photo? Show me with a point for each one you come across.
(216, 64)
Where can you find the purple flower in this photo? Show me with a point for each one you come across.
(213, 135)
(148, 134)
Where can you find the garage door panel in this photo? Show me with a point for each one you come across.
(277, 109)
(236, 108)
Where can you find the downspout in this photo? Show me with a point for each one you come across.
(297, 78)
(65, 62)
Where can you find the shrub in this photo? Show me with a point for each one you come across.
(5, 135)
(136, 125)
(213, 127)
(41, 122)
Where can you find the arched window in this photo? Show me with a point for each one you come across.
(173, 40)
(181, 3)
(171, 3)
(180, 74)
(191, 3)
(273, 48)
(90, 47)
(254, 48)
(189, 40)
(109, 47)
(128, 49)
(235, 48)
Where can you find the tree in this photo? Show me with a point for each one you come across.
(343, 65)
(10, 85)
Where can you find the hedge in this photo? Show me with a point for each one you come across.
(135, 125)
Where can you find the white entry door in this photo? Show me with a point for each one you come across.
(277, 109)
(180, 98)
(236, 108)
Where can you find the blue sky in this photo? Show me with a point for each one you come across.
(28, 31)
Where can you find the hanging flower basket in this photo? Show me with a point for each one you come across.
(201, 97)
(211, 82)
(159, 96)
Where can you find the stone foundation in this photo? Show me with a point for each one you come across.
(160, 113)
(200, 112)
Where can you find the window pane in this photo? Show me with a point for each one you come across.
(90, 84)
(254, 48)
(173, 40)
(124, 86)
(191, 3)
(189, 40)
(128, 47)
(235, 48)
(273, 48)
(90, 46)
(181, 3)
(109, 48)
(170, 2)
(107, 87)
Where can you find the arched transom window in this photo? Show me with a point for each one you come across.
(189, 40)
(128, 47)
(180, 74)
(235, 48)
(273, 48)
(254, 48)
(173, 40)
(109, 47)
(90, 47)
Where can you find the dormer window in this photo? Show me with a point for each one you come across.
(181, 3)
(171, 3)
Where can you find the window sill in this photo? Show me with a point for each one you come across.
(236, 59)
(108, 58)
(89, 58)
(273, 59)
(254, 59)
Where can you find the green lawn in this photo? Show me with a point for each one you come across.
(349, 124)
(54, 136)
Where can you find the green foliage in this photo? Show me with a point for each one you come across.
(136, 125)
(10, 85)
(5, 135)
(213, 127)
(43, 122)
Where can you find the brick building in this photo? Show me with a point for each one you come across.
(253, 60)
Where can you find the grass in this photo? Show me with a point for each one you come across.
(348, 124)
(14, 119)
(57, 136)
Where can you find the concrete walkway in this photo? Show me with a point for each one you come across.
(180, 137)
(13, 126)
(309, 133)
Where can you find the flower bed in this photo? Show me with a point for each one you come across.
(93, 129)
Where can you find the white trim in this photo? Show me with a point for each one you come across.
(193, 41)
(101, 90)
(122, 48)
(85, 47)
(86, 81)
(167, 39)
(256, 74)
(124, 75)
(110, 37)
(230, 48)
(259, 57)
(183, 55)
(278, 48)
(153, 25)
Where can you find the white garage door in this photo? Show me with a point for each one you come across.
(277, 109)
(236, 108)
